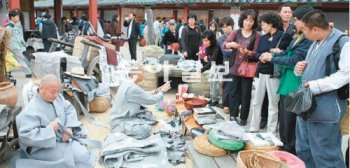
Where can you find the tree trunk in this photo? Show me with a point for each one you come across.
(151, 36)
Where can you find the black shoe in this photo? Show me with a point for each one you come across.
(29, 76)
(262, 124)
(242, 122)
(213, 103)
(220, 105)
(233, 119)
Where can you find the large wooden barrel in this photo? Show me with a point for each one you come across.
(150, 80)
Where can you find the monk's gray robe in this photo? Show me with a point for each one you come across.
(40, 146)
(125, 113)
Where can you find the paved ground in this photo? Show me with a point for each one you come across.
(98, 133)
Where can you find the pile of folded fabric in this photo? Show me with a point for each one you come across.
(150, 61)
(120, 150)
(188, 65)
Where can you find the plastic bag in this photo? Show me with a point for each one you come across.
(301, 102)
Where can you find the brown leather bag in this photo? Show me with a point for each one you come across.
(247, 69)
(142, 42)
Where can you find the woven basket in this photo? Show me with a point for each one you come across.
(99, 105)
(257, 159)
(250, 146)
(202, 145)
(8, 94)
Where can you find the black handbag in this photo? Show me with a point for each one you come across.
(301, 102)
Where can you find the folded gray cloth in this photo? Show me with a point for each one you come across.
(121, 150)
(187, 65)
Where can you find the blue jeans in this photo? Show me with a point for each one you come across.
(318, 144)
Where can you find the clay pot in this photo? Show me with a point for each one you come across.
(8, 94)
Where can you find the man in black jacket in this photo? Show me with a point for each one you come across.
(133, 32)
(48, 30)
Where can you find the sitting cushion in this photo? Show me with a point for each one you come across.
(203, 146)
(224, 143)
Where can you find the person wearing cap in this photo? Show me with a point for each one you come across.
(171, 37)
(45, 129)
(295, 52)
(318, 139)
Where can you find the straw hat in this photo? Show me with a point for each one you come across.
(203, 146)
(78, 72)
(257, 159)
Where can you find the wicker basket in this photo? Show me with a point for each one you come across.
(202, 145)
(257, 159)
(250, 146)
(8, 94)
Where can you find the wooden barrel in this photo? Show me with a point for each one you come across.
(150, 80)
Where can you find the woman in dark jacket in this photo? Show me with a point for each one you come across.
(213, 55)
(191, 38)
(114, 30)
(266, 79)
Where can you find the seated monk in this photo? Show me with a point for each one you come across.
(42, 127)
(127, 115)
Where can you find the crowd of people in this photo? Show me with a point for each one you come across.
(288, 50)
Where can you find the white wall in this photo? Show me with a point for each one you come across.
(201, 15)
(168, 13)
(221, 13)
(108, 14)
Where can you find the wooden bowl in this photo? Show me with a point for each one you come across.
(191, 103)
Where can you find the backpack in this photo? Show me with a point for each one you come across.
(343, 92)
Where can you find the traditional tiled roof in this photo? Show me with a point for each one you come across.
(49, 3)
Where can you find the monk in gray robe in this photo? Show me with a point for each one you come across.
(126, 113)
(44, 129)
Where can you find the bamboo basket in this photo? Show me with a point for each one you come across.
(202, 145)
(257, 159)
